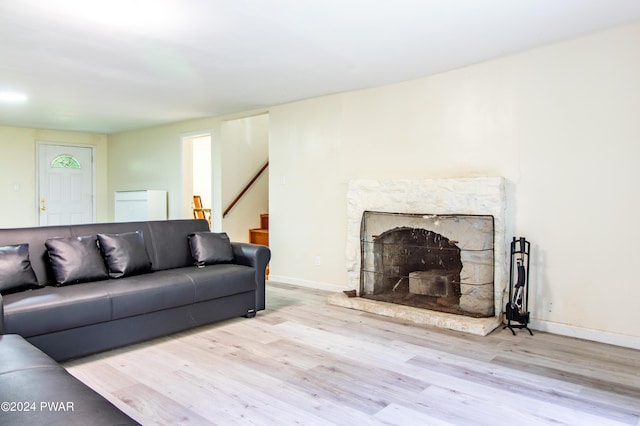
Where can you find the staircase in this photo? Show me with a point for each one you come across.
(261, 235)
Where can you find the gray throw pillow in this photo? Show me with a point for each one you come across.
(125, 254)
(208, 248)
(76, 259)
(16, 273)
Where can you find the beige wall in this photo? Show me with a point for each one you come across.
(559, 122)
(245, 149)
(18, 172)
(151, 158)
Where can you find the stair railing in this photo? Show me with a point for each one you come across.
(245, 189)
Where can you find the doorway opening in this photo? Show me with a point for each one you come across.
(196, 171)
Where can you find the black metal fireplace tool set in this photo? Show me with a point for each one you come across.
(516, 311)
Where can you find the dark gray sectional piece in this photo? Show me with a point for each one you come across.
(35, 390)
(79, 319)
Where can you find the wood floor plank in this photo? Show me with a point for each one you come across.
(538, 387)
(303, 361)
(481, 410)
(398, 414)
(152, 407)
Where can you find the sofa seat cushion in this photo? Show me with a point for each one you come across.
(212, 282)
(50, 309)
(155, 291)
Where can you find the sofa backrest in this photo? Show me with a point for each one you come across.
(166, 240)
(170, 242)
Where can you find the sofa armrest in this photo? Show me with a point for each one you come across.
(255, 256)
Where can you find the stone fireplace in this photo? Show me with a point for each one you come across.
(467, 274)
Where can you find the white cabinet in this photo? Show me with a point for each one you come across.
(132, 206)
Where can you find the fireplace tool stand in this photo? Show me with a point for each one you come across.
(517, 307)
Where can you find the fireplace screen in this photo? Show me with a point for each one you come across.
(438, 262)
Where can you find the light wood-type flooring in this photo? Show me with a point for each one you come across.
(303, 361)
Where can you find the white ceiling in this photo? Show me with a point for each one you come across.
(108, 66)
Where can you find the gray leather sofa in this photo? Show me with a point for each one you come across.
(35, 390)
(172, 294)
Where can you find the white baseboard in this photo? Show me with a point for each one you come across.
(547, 326)
(306, 283)
(586, 333)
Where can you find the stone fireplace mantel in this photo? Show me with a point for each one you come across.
(470, 196)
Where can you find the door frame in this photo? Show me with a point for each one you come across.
(93, 174)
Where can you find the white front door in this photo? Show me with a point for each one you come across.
(65, 184)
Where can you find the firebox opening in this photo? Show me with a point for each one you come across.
(405, 261)
(417, 267)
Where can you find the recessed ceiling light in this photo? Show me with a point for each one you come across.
(12, 97)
